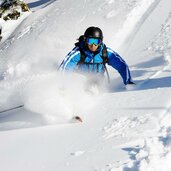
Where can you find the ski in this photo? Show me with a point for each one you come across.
(74, 119)
(77, 118)
(13, 108)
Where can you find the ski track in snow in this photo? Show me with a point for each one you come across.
(155, 152)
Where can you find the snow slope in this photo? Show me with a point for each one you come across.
(122, 129)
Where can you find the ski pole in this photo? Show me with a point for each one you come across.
(13, 108)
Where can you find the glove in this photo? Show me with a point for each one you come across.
(130, 85)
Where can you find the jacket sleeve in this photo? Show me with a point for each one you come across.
(115, 60)
(71, 60)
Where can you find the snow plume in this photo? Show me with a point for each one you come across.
(48, 96)
(56, 96)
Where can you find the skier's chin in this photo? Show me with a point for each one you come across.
(92, 48)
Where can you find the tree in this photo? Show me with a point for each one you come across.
(12, 9)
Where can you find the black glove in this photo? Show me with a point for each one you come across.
(130, 82)
(130, 85)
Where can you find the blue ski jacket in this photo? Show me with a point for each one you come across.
(94, 63)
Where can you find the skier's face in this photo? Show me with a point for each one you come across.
(93, 47)
(93, 43)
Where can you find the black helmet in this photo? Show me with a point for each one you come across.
(94, 32)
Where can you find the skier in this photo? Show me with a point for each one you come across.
(90, 55)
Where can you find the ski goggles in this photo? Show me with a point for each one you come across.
(94, 41)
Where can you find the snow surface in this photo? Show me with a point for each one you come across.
(123, 128)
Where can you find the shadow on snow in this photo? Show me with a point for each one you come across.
(155, 83)
(39, 3)
(156, 61)
(19, 119)
(151, 83)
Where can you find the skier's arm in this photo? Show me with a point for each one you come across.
(115, 60)
(71, 60)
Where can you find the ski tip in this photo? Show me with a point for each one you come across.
(78, 118)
